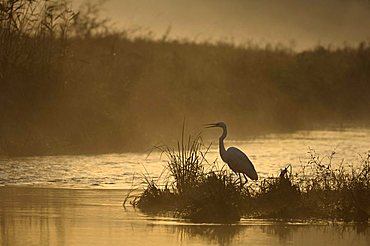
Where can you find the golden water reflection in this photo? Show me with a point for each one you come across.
(37, 216)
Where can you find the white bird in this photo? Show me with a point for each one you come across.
(234, 157)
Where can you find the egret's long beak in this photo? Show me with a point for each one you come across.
(210, 125)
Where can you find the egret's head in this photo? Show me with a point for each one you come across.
(218, 124)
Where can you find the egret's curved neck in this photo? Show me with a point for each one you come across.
(221, 143)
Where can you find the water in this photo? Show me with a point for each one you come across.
(44, 216)
(269, 154)
(77, 200)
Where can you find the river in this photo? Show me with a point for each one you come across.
(77, 200)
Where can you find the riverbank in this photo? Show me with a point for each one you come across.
(44, 216)
(69, 89)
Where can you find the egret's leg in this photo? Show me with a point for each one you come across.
(246, 179)
(240, 181)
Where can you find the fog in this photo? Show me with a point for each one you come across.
(302, 24)
(75, 84)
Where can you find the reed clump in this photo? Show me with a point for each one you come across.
(197, 190)
(336, 192)
(276, 197)
(193, 190)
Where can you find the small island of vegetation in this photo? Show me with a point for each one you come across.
(203, 192)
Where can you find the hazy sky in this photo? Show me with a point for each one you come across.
(307, 22)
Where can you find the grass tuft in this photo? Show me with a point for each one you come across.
(196, 194)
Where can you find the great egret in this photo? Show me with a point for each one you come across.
(234, 157)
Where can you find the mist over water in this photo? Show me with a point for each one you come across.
(92, 89)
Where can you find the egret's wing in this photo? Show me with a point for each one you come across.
(239, 162)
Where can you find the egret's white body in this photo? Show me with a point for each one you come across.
(234, 157)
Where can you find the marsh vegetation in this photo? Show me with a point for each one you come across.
(207, 192)
(71, 83)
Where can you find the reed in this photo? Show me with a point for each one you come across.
(320, 190)
(193, 188)
(72, 84)
(185, 163)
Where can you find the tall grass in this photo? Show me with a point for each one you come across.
(338, 192)
(185, 162)
(193, 189)
(321, 190)
(71, 83)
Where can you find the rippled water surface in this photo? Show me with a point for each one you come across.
(44, 216)
(77, 200)
(269, 154)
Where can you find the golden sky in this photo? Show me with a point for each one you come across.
(306, 22)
